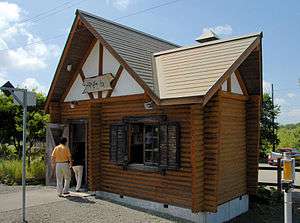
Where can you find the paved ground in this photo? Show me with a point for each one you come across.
(45, 206)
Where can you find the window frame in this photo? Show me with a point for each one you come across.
(164, 161)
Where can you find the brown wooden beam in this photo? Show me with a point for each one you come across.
(61, 60)
(100, 65)
(241, 82)
(229, 84)
(114, 82)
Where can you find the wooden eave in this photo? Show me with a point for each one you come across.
(60, 64)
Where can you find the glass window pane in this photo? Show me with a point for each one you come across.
(148, 156)
(155, 157)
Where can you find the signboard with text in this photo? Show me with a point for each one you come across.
(99, 83)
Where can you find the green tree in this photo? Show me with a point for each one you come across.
(9, 113)
(36, 124)
(11, 123)
(268, 136)
(289, 136)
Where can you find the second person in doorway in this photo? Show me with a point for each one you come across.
(78, 163)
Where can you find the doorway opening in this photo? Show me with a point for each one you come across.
(78, 148)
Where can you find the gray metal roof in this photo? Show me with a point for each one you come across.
(134, 46)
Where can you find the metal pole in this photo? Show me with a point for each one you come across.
(24, 155)
(273, 120)
(288, 207)
(279, 176)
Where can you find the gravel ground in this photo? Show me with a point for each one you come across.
(4, 189)
(79, 209)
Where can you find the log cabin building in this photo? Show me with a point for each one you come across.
(170, 128)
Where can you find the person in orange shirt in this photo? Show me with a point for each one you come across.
(62, 161)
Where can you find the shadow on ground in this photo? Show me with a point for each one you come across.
(79, 199)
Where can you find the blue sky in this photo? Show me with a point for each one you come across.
(181, 22)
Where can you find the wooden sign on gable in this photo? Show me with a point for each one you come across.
(99, 83)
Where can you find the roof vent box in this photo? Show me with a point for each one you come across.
(207, 36)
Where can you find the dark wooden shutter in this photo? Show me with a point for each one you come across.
(173, 146)
(119, 144)
(169, 146)
(163, 146)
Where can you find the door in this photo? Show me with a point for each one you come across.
(53, 133)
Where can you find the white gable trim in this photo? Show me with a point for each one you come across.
(126, 85)
(90, 67)
(75, 92)
(235, 85)
(110, 63)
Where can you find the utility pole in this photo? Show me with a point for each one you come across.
(273, 120)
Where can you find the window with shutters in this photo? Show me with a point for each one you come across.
(154, 143)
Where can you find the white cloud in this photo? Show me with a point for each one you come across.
(291, 95)
(219, 30)
(3, 79)
(267, 87)
(280, 101)
(34, 54)
(119, 4)
(294, 113)
(32, 84)
(9, 12)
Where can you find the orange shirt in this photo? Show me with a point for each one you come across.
(61, 153)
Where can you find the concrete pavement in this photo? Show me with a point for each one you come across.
(47, 195)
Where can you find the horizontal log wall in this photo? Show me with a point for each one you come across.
(253, 141)
(211, 147)
(232, 157)
(173, 188)
(55, 112)
(80, 110)
(197, 157)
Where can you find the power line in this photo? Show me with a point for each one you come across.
(63, 34)
(51, 12)
(146, 10)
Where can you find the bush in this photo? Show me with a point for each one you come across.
(11, 172)
(8, 151)
(37, 170)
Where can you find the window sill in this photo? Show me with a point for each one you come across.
(143, 167)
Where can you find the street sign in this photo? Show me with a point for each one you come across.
(31, 98)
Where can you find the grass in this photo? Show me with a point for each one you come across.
(11, 172)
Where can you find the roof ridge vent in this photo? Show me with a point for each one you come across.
(207, 36)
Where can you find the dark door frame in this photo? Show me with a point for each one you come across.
(85, 122)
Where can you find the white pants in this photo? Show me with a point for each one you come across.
(78, 170)
(63, 173)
